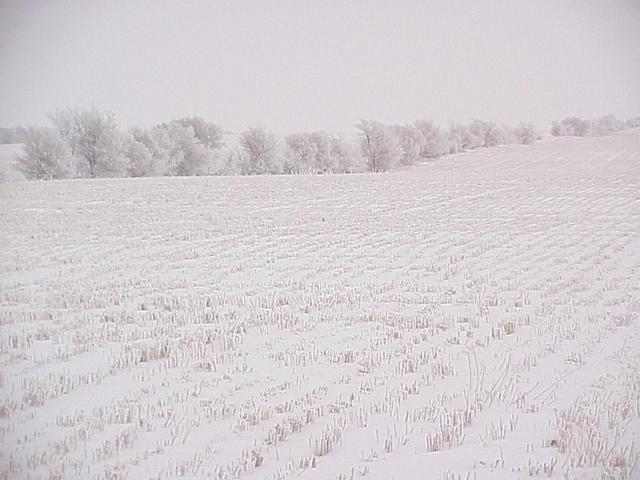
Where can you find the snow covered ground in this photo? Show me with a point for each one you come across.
(474, 317)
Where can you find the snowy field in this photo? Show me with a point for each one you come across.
(470, 318)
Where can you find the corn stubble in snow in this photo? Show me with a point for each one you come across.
(470, 318)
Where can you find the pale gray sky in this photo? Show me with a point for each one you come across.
(305, 65)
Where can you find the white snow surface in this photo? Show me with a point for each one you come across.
(474, 317)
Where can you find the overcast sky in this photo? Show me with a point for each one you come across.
(305, 65)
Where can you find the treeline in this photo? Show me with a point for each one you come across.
(597, 127)
(385, 146)
(89, 143)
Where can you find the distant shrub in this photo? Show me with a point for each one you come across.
(206, 133)
(379, 146)
(434, 139)
(456, 137)
(94, 139)
(578, 127)
(606, 125)
(411, 141)
(524, 133)
(572, 126)
(187, 155)
(46, 156)
(258, 153)
(632, 122)
(149, 152)
(316, 152)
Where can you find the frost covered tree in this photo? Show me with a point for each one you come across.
(434, 141)
(259, 152)
(94, 139)
(555, 130)
(571, 126)
(411, 141)
(185, 146)
(524, 133)
(207, 133)
(456, 135)
(316, 152)
(491, 134)
(473, 135)
(322, 160)
(45, 155)
(504, 135)
(188, 156)
(578, 127)
(149, 152)
(378, 145)
(632, 122)
(307, 152)
(345, 156)
(229, 161)
(141, 161)
(484, 134)
(606, 125)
